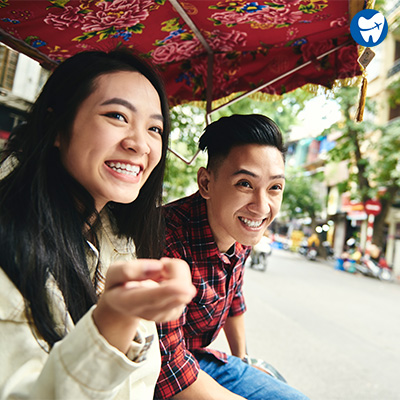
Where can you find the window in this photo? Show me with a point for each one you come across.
(394, 112)
(8, 65)
(397, 50)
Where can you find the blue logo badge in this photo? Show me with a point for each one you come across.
(369, 28)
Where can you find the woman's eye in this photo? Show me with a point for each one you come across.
(157, 130)
(244, 184)
(116, 115)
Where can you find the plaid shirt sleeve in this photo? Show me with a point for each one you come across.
(179, 367)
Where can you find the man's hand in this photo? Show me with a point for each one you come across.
(155, 290)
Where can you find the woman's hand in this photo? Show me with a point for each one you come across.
(155, 290)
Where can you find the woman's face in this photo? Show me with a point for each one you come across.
(116, 138)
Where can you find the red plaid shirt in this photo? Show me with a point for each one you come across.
(218, 279)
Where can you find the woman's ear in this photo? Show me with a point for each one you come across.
(203, 181)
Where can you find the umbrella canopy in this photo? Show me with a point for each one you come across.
(206, 49)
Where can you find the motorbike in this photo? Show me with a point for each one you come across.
(373, 268)
(311, 254)
(259, 255)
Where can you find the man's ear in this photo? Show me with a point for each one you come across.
(203, 181)
(57, 141)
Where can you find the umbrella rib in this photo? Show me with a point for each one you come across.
(276, 79)
(179, 9)
(210, 62)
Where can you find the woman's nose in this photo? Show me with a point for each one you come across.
(137, 142)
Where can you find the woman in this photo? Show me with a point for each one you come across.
(79, 197)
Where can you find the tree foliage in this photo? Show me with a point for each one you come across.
(372, 155)
(301, 198)
(187, 125)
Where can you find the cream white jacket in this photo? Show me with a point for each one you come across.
(83, 365)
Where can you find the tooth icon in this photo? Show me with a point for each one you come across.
(372, 27)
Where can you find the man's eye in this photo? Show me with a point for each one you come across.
(244, 184)
(276, 187)
(116, 115)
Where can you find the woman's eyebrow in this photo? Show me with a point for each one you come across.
(130, 106)
(122, 102)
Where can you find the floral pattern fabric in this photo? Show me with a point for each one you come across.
(254, 42)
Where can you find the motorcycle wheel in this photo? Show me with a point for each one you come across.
(385, 275)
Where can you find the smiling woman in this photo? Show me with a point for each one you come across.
(80, 186)
(125, 112)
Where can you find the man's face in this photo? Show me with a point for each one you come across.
(244, 194)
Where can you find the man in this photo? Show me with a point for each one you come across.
(240, 193)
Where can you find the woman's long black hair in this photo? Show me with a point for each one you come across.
(41, 224)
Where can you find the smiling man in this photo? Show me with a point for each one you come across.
(240, 193)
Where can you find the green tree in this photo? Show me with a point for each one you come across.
(301, 199)
(283, 109)
(187, 125)
(373, 163)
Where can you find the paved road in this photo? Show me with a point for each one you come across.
(333, 335)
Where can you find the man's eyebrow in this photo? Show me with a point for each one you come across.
(129, 105)
(253, 175)
(245, 172)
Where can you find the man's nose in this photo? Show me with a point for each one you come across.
(260, 203)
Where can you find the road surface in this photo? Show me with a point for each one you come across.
(333, 335)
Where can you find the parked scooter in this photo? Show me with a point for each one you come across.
(311, 253)
(259, 254)
(374, 269)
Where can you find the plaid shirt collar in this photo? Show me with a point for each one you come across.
(201, 236)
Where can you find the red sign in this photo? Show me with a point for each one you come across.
(373, 207)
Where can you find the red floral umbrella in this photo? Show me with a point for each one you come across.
(273, 46)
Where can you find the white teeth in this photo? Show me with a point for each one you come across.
(372, 27)
(250, 223)
(127, 169)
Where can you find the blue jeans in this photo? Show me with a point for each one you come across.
(245, 380)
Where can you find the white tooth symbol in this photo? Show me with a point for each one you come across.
(371, 27)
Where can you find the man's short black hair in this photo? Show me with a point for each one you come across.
(221, 136)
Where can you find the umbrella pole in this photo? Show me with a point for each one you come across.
(210, 61)
(210, 65)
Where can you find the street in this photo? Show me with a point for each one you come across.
(331, 334)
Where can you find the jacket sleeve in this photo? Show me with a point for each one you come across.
(82, 365)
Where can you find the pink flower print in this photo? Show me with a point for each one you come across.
(119, 13)
(337, 23)
(348, 62)
(292, 33)
(70, 18)
(265, 17)
(277, 16)
(230, 18)
(222, 74)
(226, 41)
(314, 49)
(176, 50)
(285, 2)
